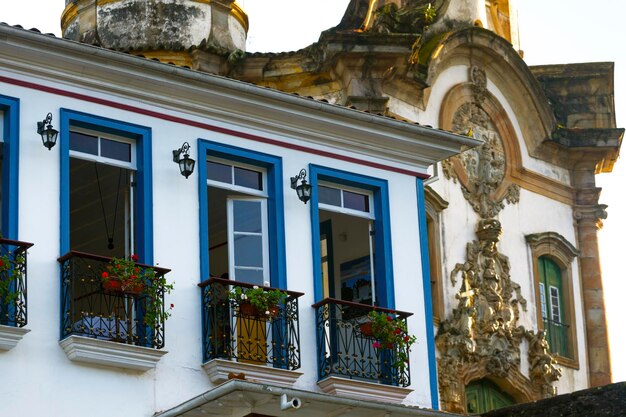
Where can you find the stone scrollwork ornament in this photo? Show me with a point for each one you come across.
(482, 169)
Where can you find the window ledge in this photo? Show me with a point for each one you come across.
(104, 352)
(567, 362)
(10, 336)
(362, 390)
(218, 371)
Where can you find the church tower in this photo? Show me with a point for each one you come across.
(171, 31)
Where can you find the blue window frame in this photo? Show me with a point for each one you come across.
(272, 169)
(383, 267)
(428, 307)
(10, 108)
(141, 136)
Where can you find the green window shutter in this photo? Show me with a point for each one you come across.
(553, 306)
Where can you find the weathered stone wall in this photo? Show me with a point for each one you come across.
(608, 400)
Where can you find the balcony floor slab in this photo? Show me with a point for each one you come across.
(10, 336)
(104, 352)
(363, 390)
(219, 370)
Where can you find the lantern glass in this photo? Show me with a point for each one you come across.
(186, 166)
(49, 137)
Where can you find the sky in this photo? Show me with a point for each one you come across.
(551, 32)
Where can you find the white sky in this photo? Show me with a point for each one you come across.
(552, 32)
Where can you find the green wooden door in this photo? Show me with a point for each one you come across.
(483, 395)
(552, 306)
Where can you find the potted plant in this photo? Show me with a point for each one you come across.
(125, 276)
(258, 301)
(10, 273)
(390, 333)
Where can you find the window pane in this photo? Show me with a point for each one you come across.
(356, 201)
(219, 172)
(542, 296)
(248, 178)
(80, 142)
(247, 216)
(248, 251)
(329, 195)
(250, 276)
(115, 150)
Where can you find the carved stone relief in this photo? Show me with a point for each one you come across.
(482, 337)
(483, 331)
(481, 170)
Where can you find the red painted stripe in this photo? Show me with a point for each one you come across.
(183, 121)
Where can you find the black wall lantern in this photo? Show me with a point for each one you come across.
(48, 133)
(186, 164)
(303, 189)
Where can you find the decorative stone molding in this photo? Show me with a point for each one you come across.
(480, 171)
(220, 370)
(10, 336)
(482, 338)
(104, 352)
(553, 244)
(362, 390)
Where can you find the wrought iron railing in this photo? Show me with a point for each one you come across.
(13, 256)
(557, 336)
(344, 350)
(92, 310)
(232, 332)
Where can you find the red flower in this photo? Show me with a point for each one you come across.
(136, 270)
(376, 345)
(105, 274)
(171, 305)
(389, 345)
(398, 331)
(389, 318)
(407, 338)
(118, 266)
(1, 262)
(133, 277)
(134, 257)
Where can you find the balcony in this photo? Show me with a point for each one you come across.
(350, 363)
(99, 323)
(263, 347)
(13, 312)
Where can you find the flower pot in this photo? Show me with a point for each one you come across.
(249, 310)
(113, 285)
(366, 329)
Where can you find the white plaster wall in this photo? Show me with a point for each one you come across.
(38, 368)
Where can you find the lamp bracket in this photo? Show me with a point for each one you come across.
(301, 176)
(183, 149)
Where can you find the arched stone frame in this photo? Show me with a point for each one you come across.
(515, 384)
(558, 249)
(465, 93)
(506, 70)
(435, 204)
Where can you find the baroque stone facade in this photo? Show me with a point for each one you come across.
(482, 337)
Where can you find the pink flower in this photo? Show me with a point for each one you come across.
(376, 345)
(134, 257)
(105, 274)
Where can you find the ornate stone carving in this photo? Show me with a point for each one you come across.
(481, 170)
(483, 333)
(543, 369)
(412, 16)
